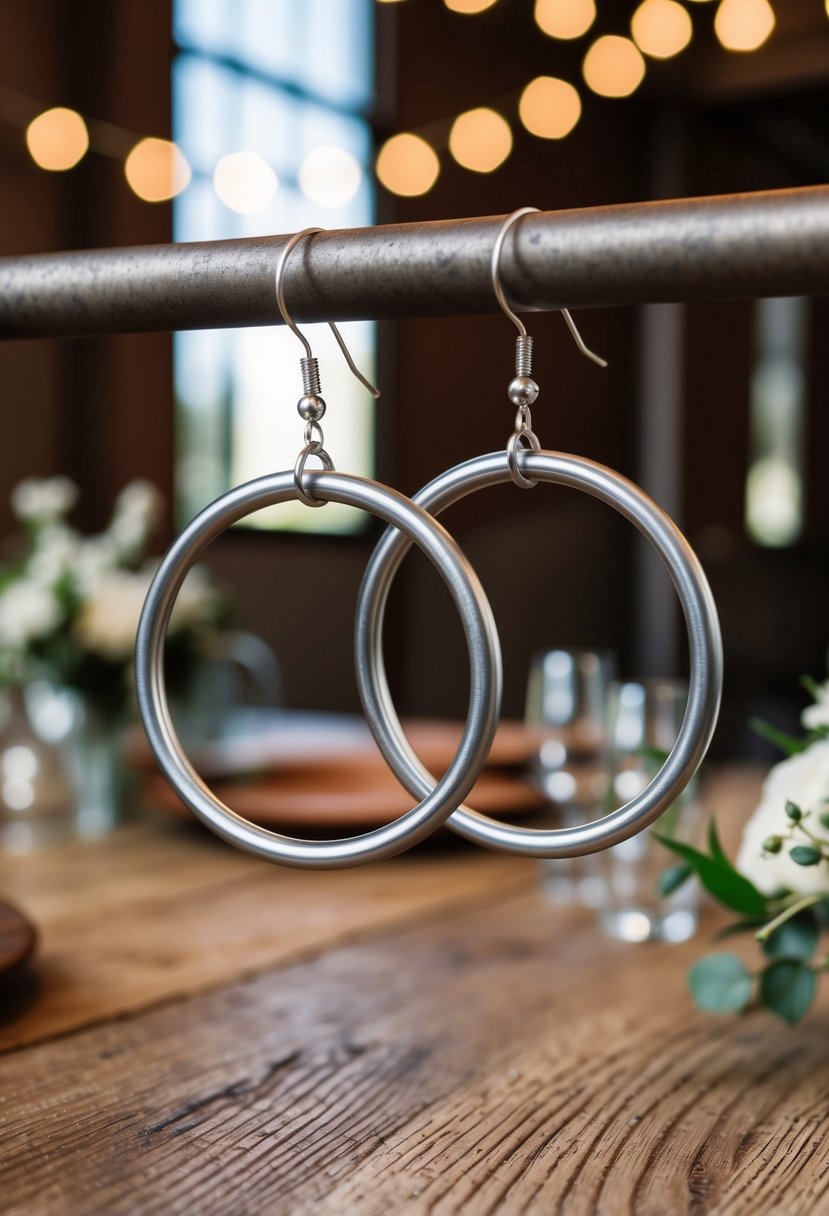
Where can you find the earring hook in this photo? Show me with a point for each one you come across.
(289, 321)
(502, 299)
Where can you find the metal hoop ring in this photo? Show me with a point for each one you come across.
(481, 639)
(704, 640)
(312, 448)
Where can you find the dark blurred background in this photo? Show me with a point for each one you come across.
(693, 401)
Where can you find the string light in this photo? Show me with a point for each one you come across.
(468, 6)
(244, 182)
(613, 67)
(549, 107)
(661, 28)
(744, 25)
(565, 18)
(330, 176)
(480, 140)
(57, 139)
(407, 165)
(156, 170)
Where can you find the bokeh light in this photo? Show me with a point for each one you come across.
(57, 139)
(480, 140)
(744, 25)
(565, 18)
(157, 170)
(661, 28)
(613, 67)
(407, 165)
(330, 176)
(244, 182)
(549, 107)
(468, 6)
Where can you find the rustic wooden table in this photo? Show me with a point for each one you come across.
(204, 1034)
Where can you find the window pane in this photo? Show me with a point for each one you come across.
(237, 391)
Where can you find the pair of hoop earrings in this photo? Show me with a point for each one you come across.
(413, 521)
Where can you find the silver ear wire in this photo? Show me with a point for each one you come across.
(524, 341)
(309, 365)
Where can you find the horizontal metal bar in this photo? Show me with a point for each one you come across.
(734, 246)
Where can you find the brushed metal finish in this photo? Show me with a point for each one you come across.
(481, 639)
(732, 246)
(704, 642)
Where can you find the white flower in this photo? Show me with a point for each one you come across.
(55, 553)
(95, 559)
(804, 780)
(28, 610)
(137, 510)
(44, 501)
(108, 620)
(817, 715)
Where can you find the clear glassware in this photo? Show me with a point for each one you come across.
(645, 717)
(567, 696)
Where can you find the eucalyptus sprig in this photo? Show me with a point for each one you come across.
(787, 926)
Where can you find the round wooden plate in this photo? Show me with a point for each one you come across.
(17, 939)
(345, 797)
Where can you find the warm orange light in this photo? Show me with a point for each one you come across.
(468, 6)
(480, 140)
(565, 18)
(156, 170)
(744, 25)
(57, 139)
(613, 67)
(549, 107)
(407, 165)
(661, 28)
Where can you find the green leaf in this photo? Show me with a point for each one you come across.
(671, 880)
(805, 855)
(812, 687)
(714, 846)
(656, 755)
(720, 984)
(720, 879)
(795, 938)
(787, 988)
(789, 744)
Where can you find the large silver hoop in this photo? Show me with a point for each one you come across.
(481, 638)
(704, 641)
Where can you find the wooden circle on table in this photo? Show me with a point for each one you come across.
(17, 939)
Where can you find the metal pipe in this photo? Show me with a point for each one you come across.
(728, 247)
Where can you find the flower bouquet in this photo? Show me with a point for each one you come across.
(779, 884)
(70, 604)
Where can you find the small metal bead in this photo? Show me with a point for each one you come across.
(523, 390)
(310, 407)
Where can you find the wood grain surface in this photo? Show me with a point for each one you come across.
(424, 1036)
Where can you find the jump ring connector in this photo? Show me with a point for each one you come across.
(313, 434)
(314, 448)
(521, 437)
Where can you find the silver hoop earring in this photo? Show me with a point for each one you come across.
(315, 488)
(525, 463)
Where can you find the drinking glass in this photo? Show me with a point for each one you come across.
(645, 718)
(567, 697)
